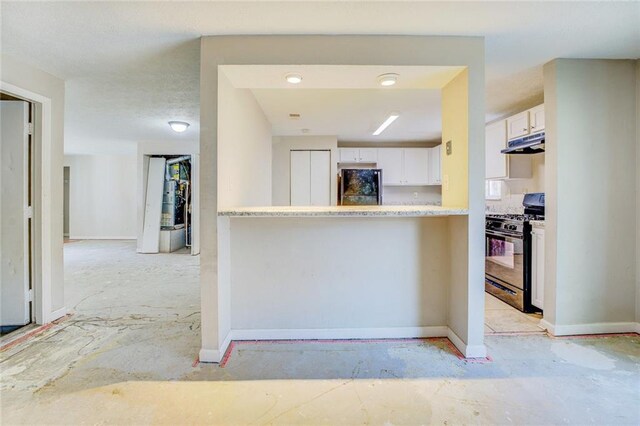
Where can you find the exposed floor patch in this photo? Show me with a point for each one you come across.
(127, 357)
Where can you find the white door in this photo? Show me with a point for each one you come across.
(300, 178)
(536, 119)
(14, 214)
(153, 205)
(495, 141)
(416, 166)
(390, 161)
(518, 125)
(320, 181)
(368, 155)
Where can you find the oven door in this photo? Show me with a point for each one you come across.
(504, 258)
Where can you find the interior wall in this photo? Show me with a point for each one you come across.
(455, 117)
(412, 195)
(590, 261)
(281, 171)
(49, 129)
(102, 196)
(310, 294)
(638, 194)
(244, 142)
(339, 50)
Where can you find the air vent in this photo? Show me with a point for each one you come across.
(294, 116)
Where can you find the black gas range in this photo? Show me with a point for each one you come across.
(508, 253)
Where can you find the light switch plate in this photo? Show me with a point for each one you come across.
(448, 145)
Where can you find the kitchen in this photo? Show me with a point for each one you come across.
(400, 269)
(515, 208)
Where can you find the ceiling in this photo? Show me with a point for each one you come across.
(347, 101)
(132, 66)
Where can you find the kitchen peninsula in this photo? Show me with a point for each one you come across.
(327, 271)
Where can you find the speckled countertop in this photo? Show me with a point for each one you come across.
(537, 223)
(343, 211)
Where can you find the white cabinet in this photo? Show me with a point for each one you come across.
(416, 166)
(390, 161)
(518, 125)
(404, 166)
(537, 267)
(435, 165)
(526, 123)
(358, 155)
(310, 178)
(536, 119)
(499, 165)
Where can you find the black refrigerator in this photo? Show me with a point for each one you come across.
(360, 187)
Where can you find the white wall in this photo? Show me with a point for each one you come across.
(17, 76)
(410, 195)
(513, 190)
(638, 193)
(382, 273)
(281, 171)
(244, 146)
(590, 246)
(102, 196)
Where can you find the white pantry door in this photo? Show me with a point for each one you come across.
(310, 178)
(300, 178)
(14, 213)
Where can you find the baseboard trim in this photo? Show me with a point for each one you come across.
(340, 333)
(100, 238)
(468, 351)
(215, 355)
(57, 314)
(593, 328)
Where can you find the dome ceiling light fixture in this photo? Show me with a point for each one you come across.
(179, 126)
(388, 79)
(293, 78)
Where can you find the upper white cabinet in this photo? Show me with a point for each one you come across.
(358, 155)
(390, 161)
(499, 165)
(518, 125)
(404, 166)
(526, 123)
(416, 166)
(435, 165)
(536, 119)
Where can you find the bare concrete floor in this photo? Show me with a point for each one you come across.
(126, 356)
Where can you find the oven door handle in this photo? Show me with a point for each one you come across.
(504, 235)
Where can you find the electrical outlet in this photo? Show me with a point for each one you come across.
(415, 195)
(445, 182)
(448, 147)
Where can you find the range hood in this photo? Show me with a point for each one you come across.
(532, 144)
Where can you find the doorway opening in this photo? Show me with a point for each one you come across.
(167, 222)
(16, 213)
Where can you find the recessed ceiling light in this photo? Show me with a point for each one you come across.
(293, 78)
(179, 126)
(388, 79)
(386, 123)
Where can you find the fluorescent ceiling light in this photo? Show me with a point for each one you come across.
(293, 78)
(178, 126)
(388, 79)
(386, 123)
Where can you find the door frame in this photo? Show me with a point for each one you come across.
(43, 215)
